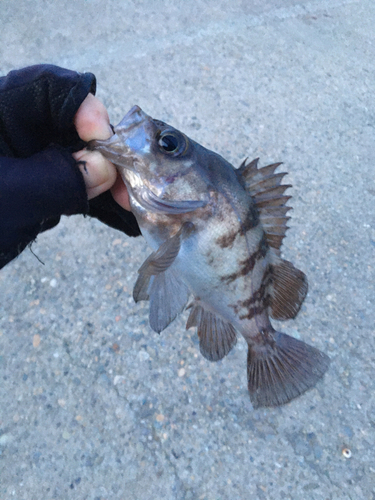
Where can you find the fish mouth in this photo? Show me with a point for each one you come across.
(130, 138)
(134, 117)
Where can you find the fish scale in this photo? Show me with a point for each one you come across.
(216, 233)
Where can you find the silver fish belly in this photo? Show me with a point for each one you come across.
(216, 233)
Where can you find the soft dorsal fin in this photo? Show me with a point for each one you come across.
(288, 290)
(268, 193)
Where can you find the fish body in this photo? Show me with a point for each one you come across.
(216, 233)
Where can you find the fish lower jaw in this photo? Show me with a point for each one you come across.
(130, 176)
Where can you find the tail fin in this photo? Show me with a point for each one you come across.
(281, 368)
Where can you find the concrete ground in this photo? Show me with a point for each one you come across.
(93, 404)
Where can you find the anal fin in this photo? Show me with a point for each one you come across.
(216, 336)
(281, 368)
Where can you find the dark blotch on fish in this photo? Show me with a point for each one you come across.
(251, 221)
(247, 265)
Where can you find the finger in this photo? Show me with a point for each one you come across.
(98, 173)
(92, 121)
(120, 193)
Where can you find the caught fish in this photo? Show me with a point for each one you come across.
(216, 234)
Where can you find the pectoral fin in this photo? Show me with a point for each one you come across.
(216, 336)
(168, 298)
(160, 284)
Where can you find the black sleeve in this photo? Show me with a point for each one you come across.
(32, 201)
(39, 179)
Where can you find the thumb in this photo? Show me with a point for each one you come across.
(98, 173)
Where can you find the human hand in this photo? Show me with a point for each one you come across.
(99, 174)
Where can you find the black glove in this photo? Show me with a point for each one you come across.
(39, 179)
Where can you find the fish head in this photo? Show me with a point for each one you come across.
(148, 152)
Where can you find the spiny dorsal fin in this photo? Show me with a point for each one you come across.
(268, 182)
(251, 173)
(246, 169)
(276, 211)
(268, 193)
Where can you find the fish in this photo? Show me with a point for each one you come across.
(215, 233)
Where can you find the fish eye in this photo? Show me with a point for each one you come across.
(172, 143)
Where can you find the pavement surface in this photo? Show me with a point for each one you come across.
(96, 406)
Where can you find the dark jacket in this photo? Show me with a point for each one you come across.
(39, 179)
